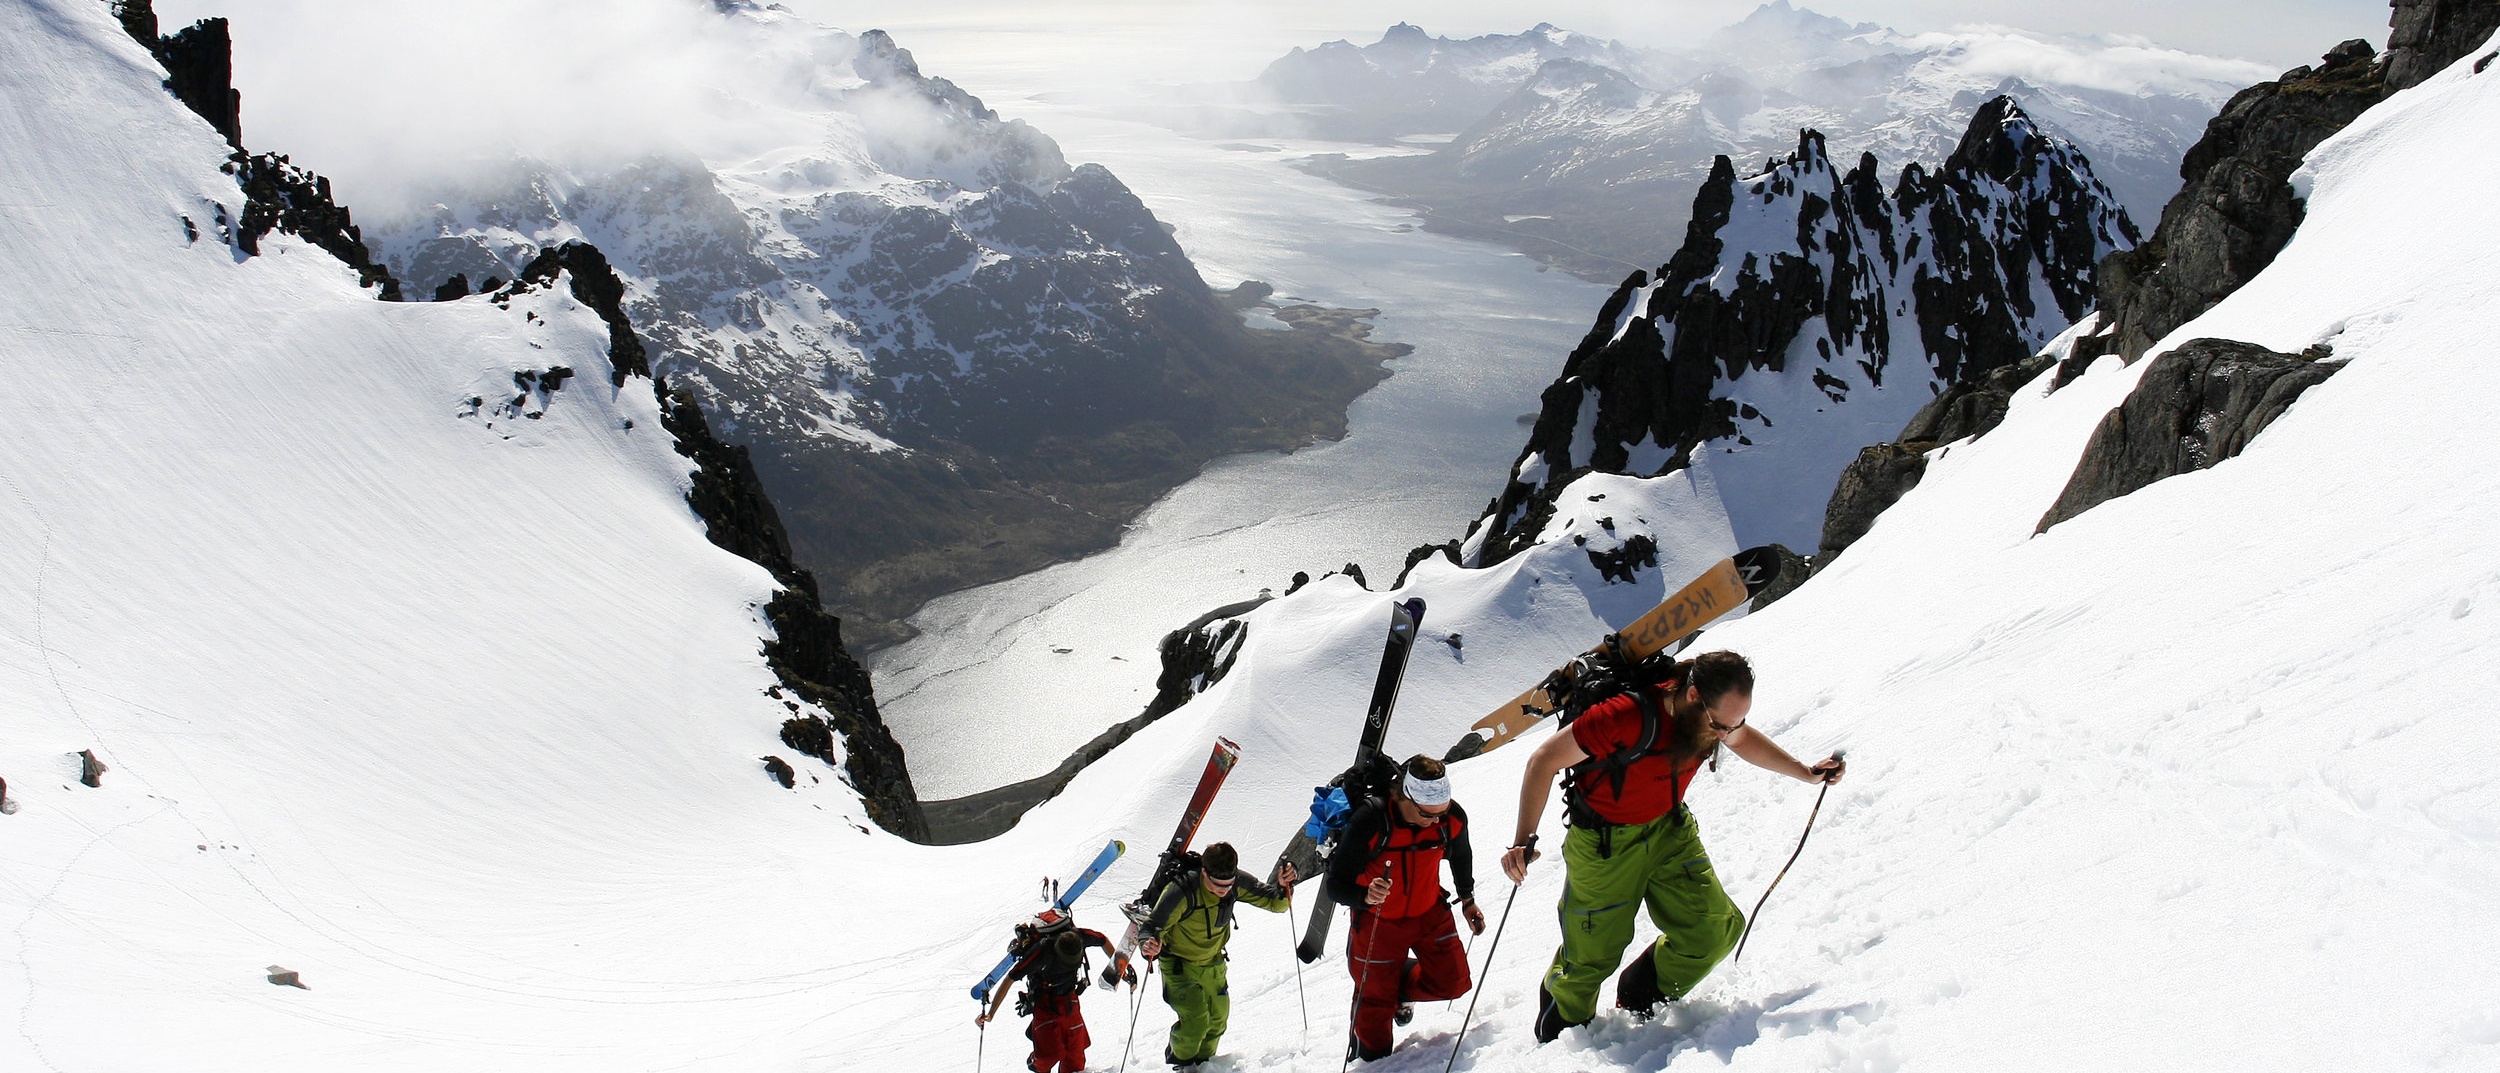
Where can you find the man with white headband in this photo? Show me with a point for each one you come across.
(1404, 947)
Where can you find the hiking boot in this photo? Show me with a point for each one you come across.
(1636, 988)
(1549, 1019)
(1406, 1012)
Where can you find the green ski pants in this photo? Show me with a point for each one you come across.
(1201, 997)
(1660, 864)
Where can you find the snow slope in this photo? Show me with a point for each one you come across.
(2200, 779)
(461, 727)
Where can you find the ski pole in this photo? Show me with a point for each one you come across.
(1354, 1009)
(980, 1050)
(1136, 999)
(1478, 990)
(1775, 880)
(1298, 990)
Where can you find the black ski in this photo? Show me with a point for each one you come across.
(1309, 849)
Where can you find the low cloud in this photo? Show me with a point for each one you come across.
(387, 97)
(2107, 62)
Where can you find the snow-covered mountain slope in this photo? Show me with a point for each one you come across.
(461, 729)
(955, 356)
(1587, 162)
(1810, 312)
(417, 681)
(2219, 741)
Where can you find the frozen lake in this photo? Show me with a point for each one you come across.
(1048, 660)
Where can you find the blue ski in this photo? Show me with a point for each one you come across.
(1067, 898)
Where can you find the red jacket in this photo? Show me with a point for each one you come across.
(1377, 843)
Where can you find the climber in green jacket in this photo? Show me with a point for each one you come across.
(1186, 935)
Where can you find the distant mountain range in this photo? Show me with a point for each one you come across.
(1586, 152)
(955, 357)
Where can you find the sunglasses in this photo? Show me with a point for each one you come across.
(1711, 715)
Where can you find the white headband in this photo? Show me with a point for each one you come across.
(1427, 791)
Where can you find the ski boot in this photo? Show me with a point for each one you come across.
(1636, 988)
(1549, 1019)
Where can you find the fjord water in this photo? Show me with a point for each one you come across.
(1033, 667)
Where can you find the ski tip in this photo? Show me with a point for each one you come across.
(1757, 566)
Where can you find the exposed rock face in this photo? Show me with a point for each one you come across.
(1885, 472)
(2198, 404)
(806, 651)
(277, 196)
(2425, 36)
(1836, 294)
(199, 64)
(1195, 657)
(2237, 209)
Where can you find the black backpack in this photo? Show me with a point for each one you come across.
(1033, 939)
(1599, 675)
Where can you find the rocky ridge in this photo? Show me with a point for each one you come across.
(806, 651)
(2237, 207)
(1807, 302)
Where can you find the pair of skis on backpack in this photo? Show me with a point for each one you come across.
(1666, 628)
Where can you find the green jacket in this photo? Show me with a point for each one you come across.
(1194, 924)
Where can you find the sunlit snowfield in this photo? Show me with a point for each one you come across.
(1425, 450)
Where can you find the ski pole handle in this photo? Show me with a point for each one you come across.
(1527, 855)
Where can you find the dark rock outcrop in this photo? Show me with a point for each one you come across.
(2425, 36)
(2197, 405)
(1195, 657)
(2237, 209)
(806, 652)
(278, 196)
(90, 770)
(1885, 472)
(199, 64)
(1930, 283)
(595, 284)
(781, 771)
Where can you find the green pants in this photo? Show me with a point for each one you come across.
(1661, 865)
(1204, 1002)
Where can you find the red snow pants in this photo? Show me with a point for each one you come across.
(1058, 1034)
(1384, 975)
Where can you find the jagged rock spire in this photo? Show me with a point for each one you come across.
(1832, 290)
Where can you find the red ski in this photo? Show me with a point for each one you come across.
(1169, 866)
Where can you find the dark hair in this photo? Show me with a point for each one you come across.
(1219, 861)
(1425, 767)
(1715, 675)
(1718, 674)
(1069, 944)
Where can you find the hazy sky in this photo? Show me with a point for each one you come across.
(1227, 39)
(380, 92)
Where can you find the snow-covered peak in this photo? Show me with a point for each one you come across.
(1811, 312)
